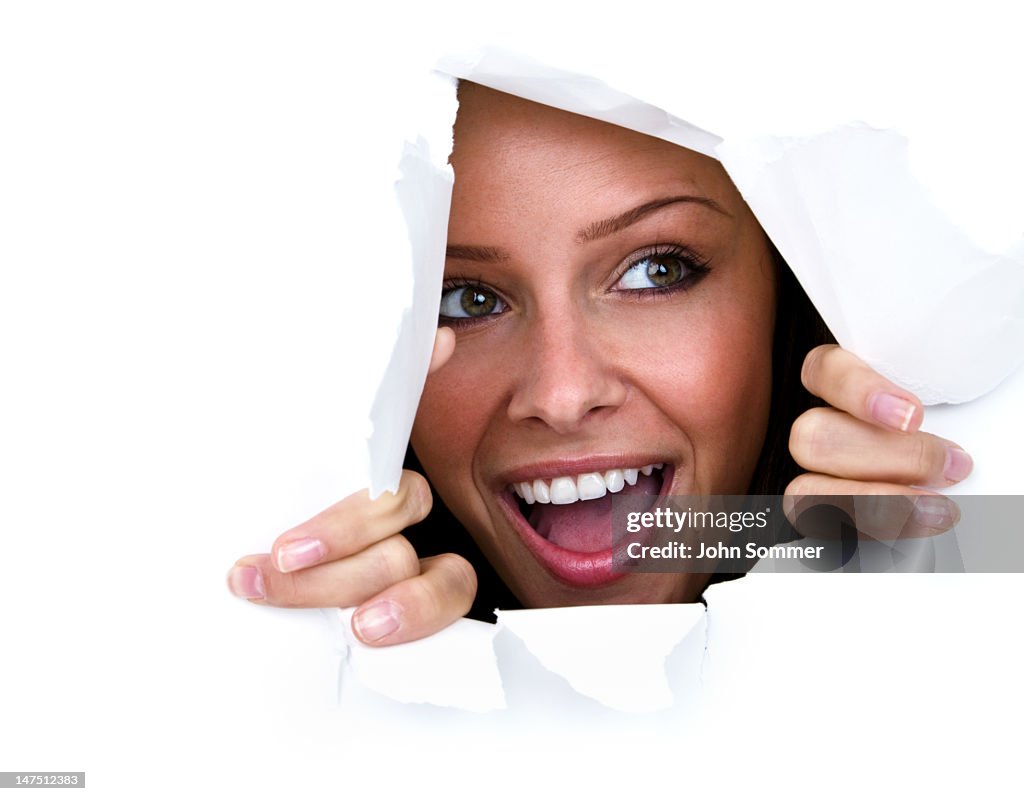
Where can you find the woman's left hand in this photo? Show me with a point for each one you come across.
(868, 442)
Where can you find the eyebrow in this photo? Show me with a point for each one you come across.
(612, 225)
(476, 253)
(597, 230)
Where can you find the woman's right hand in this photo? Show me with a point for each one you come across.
(353, 554)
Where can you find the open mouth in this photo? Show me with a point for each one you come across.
(566, 522)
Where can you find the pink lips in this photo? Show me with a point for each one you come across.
(578, 569)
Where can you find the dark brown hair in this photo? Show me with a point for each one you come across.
(798, 330)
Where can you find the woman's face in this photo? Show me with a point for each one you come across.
(613, 299)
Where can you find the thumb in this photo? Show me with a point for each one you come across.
(444, 346)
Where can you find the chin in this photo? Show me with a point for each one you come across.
(635, 588)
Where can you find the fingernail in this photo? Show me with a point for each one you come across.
(933, 512)
(299, 554)
(958, 464)
(246, 582)
(376, 622)
(892, 411)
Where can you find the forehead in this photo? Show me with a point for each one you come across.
(509, 150)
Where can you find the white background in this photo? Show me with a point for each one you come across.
(199, 261)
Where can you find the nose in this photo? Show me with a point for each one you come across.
(567, 376)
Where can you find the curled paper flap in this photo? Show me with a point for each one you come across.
(613, 654)
(895, 280)
(455, 667)
(424, 193)
(516, 75)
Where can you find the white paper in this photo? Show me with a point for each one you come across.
(455, 667)
(581, 94)
(613, 654)
(889, 670)
(424, 194)
(896, 281)
(188, 200)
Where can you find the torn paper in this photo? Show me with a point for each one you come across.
(615, 655)
(896, 281)
(455, 667)
(424, 193)
(581, 94)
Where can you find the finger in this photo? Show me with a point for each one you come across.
(844, 381)
(444, 346)
(878, 510)
(347, 582)
(352, 525)
(420, 606)
(825, 440)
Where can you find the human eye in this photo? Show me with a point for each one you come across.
(662, 267)
(468, 301)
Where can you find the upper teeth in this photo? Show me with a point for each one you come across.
(583, 487)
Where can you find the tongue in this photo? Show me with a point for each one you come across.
(586, 526)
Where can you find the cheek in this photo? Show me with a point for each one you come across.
(451, 422)
(735, 405)
(712, 381)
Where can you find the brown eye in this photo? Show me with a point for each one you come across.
(478, 302)
(664, 270)
(657, 271)
(470, 301)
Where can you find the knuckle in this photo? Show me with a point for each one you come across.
(446, 591)
(851, 382)
(414, 497)
(803, 485)
(807, 436)
(814, 363)
(924, 461)
(424, 601)
(461, 578)
(285, 590)
(397, 560)
(337, 524)
(878, 512)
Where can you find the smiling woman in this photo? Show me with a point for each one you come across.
(614, 304)
(621, 324)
